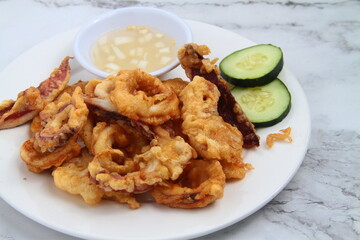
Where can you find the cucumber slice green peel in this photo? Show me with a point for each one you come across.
(253, 66)
(264, 105)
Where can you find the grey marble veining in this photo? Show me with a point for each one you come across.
(321, 42)
(331, 205)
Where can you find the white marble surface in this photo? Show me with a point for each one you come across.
(321, 40)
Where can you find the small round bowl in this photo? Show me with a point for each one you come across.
(172, 25)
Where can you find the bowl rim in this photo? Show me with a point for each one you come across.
(85, 63)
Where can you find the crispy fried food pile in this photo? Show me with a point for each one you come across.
(127, 135)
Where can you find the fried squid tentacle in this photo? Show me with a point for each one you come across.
(191, 57)
(61, 120)
(31, 101)
(57, 81)
(14, 113)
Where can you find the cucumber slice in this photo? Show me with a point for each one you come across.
(252, 66)
(264, 105)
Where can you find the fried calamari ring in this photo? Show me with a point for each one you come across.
(162, 161)
(97, 96)
(108, 168)
(100, 88)
(201, 183)
(113, 146)
(141, 96)
(107, 139)
(208, 133)
(38, 162)
(61, 120)
(118, 138)
(138, 139)
(73, 177)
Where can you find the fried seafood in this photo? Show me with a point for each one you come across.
(100, 88)
(163, 159)
(102, 109)
(192, 59)
(61, 120)
(113, 147)
(143, 97)
(71, 88)
(56, 83)
(107, 136)
(27, 105)
(133, 133)
(208, 133)
(73, 177)
(201, 183)
(97, 94)
(112, 137)
(137, 139)
(37, 161)
(35, 125)
(135, 95)
(32, 100)
(160, 162)
(97, 98)
(86, 133)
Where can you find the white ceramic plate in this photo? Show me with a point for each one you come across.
(35, 195)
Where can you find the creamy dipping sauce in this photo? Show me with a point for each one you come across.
(133, 47)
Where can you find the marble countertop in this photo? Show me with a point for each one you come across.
(322, 44)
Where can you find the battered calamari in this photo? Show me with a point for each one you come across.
(133, 133)
(73, 177)
(201, 183)
(191, 57)
(97, 98)
(141, 96)
(38, 162)
(163, 159)
(32, 100)
(208, 133)
(61, 120)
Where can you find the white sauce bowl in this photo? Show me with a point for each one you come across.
(167, 22)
